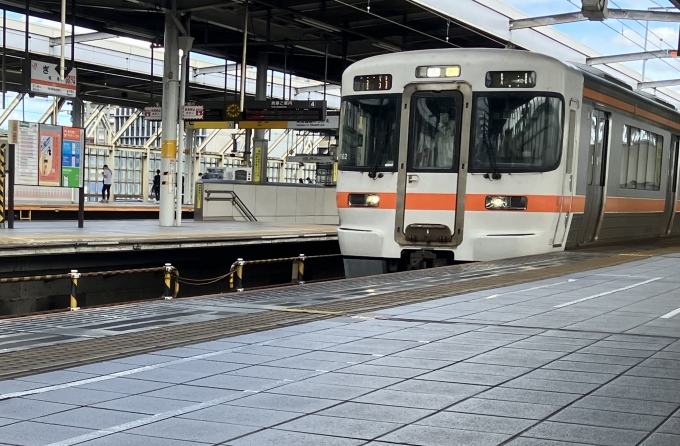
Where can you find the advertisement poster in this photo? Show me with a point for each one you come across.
(72, 157)
(26, 152)
(49, 155)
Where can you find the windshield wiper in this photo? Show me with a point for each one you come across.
(374, 166)
(495, 174)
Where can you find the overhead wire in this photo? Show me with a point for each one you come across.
(666, 62)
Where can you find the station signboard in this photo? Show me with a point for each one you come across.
(153, 113)
(192, 112)
(276, 110)
(330, 123)
(44, 79)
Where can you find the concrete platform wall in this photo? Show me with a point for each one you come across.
(280, 203)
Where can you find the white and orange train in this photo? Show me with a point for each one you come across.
(481, 154)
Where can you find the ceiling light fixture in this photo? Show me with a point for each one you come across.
(387, 46)
(317, 24)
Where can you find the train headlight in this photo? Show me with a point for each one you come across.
(505, 203)
(364, 200)
(497, 202)
(438, 71)
(372, 200)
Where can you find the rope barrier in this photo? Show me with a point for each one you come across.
(171, 274)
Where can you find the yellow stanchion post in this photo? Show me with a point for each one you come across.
(301, 269)
(167, 293)
(238, 277)
(74, 290)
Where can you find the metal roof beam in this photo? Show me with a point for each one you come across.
(153, 137)
(214, 69)
(316, 88)
(8, 111)
(207, 141)
(659, 84)
(133, 117)
(621, 14)
(80, 38)
(646, 55)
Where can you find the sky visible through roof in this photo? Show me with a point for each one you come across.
(609, 37)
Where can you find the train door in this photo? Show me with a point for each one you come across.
(596, 175)
(672, 189)
(568, 182)
(432, 172)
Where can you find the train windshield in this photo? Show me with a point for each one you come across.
(369, 133)
(516, 133)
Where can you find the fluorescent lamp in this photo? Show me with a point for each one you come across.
(387, 46)
(317, 24)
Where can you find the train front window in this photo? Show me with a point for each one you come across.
(435, 130)
(516, 133)
(369, 133)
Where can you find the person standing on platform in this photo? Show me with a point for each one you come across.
(107, 176)
(157, 185)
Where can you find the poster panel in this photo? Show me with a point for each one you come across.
(49, 154)
(72, 157)
(24, 136)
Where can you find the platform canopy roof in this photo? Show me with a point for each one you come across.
(295, 33)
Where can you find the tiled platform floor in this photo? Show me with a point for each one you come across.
(588, 359)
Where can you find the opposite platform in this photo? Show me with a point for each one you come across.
(62, 237)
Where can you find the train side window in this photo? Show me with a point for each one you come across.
(591, 149)
(625, 147)
(641, 159)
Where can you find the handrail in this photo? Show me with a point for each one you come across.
(236, 201)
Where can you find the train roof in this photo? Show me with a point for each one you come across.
(594, 78)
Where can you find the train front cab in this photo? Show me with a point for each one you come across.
(459, 156)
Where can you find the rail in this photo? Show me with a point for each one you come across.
(234, 198)
(298, 276)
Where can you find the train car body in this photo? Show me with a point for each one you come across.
(482, 154)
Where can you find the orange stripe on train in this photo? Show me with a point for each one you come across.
(535, 203)
(447, 202)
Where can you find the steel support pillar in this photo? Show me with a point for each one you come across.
(190, 159)
(169, 125)
(146, 172)
(77, 117)
(260, 143)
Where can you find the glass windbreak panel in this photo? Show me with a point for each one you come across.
(516, 133)
(435, 130)
(369, 133)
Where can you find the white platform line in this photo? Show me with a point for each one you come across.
(606, 293)
(172, 413)
(671, 314)
(115, 375)
(493, 296)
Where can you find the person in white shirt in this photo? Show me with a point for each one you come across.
(107, 179)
